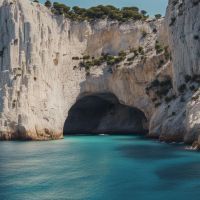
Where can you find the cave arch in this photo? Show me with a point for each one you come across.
(102, 113)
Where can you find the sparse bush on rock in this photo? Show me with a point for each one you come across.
(158, 16)
(182, 88)
(48, 4)
(158, 47)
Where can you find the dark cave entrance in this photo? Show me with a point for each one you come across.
(104, 114)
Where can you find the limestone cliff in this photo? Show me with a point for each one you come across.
(40, 80)
(179, 119)
(182, 22)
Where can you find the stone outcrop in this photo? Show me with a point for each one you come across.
(182, 20)
(40, 81)
(179, 120)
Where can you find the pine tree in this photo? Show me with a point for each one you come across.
(158, 16)
(48, 4)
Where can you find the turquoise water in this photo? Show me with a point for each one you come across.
(98, 168)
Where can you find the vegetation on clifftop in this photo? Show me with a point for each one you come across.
(98, 12)
(125, 57)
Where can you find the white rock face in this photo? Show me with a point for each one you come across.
(193, 118)
(39, 83)
(182, 19)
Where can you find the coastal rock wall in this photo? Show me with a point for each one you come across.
(35, 78)
(182, 19)
(178, 119)
(40, 81)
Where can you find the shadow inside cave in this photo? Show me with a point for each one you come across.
(102, 113)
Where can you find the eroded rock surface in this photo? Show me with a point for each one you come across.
(40, 81)
(178, 119)
(102, 113)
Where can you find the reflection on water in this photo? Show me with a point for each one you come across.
(98, 168)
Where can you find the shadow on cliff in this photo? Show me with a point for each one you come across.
(102, 113)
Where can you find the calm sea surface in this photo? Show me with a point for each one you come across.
(98, 168)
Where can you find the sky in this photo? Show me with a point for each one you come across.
(151, 6)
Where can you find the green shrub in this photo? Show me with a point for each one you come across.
(155, 83)
(111, 61)
(182, 88)
(135, 9)
(104, 58)
(167, 82)
(167, 53)
(187, 78)
(79, 11)
(86, 65)
(98, 62)
(158, 47)
(143, 12)
(86, 57)
(135, 51)
(75, 58)
(141, 50)
(99, 12)
(48, 4)
(161, 88)
(158, 16)
(122, 54)
(60, 8)
(119, 59)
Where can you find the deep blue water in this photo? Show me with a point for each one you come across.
(98, 168)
